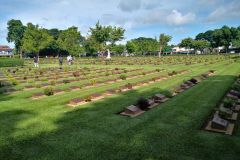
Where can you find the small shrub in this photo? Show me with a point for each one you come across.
(36, 76)
(15, 82)
(92, 81)
(44, 79)
(167, 94)
(125, 71)
(87, 98)
(66, 81)
(129, 86)
(158, 70)
(30, 81)
(38, 85)
(228, 103)
(143, 73)
(123, 77)
(142, 103)
(193, 80)
(154, 79)
(52, 83)
(48, 91)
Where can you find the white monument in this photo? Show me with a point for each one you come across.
(109, 56)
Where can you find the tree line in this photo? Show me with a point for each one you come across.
(35, 39)
(211, 39)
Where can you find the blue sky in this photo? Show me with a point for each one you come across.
(140, 18)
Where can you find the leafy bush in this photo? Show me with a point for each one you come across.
(38, 85)
(52, 83)
(15, 82)
(228, 103)
(158, 70)
(11, 62)
(44, 79)
(87, 98)
(143, 73)
(125, 71)
(142, 103)
(48, 91)
(123, 77)
(167, 94)
(30, 81)
(66, 81)
(92, 81)
(129, 86)
(154, 79)
(193, 80)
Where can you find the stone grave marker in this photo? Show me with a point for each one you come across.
(73, 88)
(9, 90)
(232, 97)
(228, 111)
(198, 79)
(159, 96)
(6, 84)
(96, 96)
(38, 95)
(110, 91)
(45, 85)
(132, 110)
(76, 101)
(122, 88)
(189, 83)
(183, 85)
(219, 123)
(57, 91)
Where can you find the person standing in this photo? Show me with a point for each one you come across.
(60, 60)
(35, 59)
(68, 59)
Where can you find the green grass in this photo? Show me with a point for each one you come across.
(46, 129)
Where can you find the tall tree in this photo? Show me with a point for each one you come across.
(131, 47)
(200, 44)
(187, 43)
(223, 37)
(163, 41)
(15, 34)
(102, 34)
(35, 39)
(119, 49)
(70, 40)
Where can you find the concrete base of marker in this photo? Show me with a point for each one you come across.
(130, 115)
(162, 100)
(228, 131)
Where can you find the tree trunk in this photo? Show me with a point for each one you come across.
(20, 53)
(38, 57)
(159, 54)
(102, 55)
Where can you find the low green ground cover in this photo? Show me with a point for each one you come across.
(46, 129)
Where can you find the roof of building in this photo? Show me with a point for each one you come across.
(5, 48)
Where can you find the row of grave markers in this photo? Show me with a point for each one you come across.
(224, 125)
(9, 90)
(87, 85)
(79, 101)
(157, 99)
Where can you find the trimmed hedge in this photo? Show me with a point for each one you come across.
(11, 62)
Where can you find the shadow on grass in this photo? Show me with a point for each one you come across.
(94, 131)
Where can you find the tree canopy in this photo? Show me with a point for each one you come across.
(70, 40)
(35, 39)
(15, 33)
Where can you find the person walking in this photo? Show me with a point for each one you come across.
(60, 60)
(68, 60)
(35, 60)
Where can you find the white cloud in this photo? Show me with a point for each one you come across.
(176, 18)
(180, 30)
(228, 12)
(129, 5)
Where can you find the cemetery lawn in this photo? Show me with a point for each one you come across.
(46, 129)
